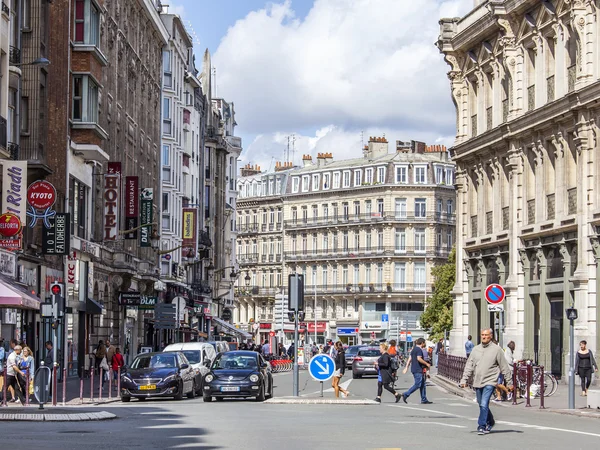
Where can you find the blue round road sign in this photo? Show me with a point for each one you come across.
(321, 367)
(494, 294)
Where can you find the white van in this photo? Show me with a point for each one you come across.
(196, 353)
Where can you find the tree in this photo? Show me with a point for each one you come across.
(437, 316)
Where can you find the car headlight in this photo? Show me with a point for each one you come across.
(126, 378)
(254, 378)
(170, 377)
(209, 378)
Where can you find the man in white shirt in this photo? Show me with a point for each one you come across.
(12, 373)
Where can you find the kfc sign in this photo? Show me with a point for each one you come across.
(112, 183)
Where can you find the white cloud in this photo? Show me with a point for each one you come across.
(349, 65)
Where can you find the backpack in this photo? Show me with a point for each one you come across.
(394, 364)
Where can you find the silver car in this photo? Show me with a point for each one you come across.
(364, 362)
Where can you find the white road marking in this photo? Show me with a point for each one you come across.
(431, 423)
(343, 385)
(426, 410)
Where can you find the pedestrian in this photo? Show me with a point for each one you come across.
(99, 354)
(469, 345)
(14, 376)
(291, 351)
(117, 362)
(385, 378)
(333, 350)
(418, 366)
(49, 358)
(280, 350)
(340, 369)
(2, 355)
(110, 351)
(28, 368)
(509, 353)
(486, 362)
(439, 348)
(266, 348)
(585, 365)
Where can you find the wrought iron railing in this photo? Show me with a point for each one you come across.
(375, 217)
(550, 83)
(531, 211)
(371, 252)
(550, 206)
(13, 150)
(572, 200)
(451, 367)
(505, 218)
(531, 98)
(3, 131)
(14, 55)
(473, 226)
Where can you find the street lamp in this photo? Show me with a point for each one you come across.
(39, 62)
(247, 279)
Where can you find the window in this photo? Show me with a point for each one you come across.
(166, 155)
(271, 185)
(325, 242)
(326, 181)
(26, 4)
(166, 116)
(78, 199)
(167, 75)
(356, 241)
(165, 202)
(420, 208)
(400, 275)
(419, 276)
(380, 207)
(400, 204)
(368, 273)
(324, 276)
(295, 184)
(449, 240)
(314, 243)
(440, 205)
(304, 244)
(87, 22)
(304, 214)
(438, 240)
(336, 180)
(368, 207)
(381, 174)
(450, 207)
(368, 245)
(400, 241)
(315, 182)
(380, 240)
(345, 242)
(278, 186)
(345, 210)
(24, 114)
(419, 240)
(450, 177)
(420, 175)
(325, 212)
(357, 209)
(305, 183)
(357, 177)
(368, 176)
(380, 277)
(356, 278)
(344, 274)
(85, 99)
(346, 178)
(334, 275)
(401, 174)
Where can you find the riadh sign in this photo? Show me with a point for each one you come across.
(14, 188)
(56, 240)
(111, 206)
(132, 200)
(146, 217)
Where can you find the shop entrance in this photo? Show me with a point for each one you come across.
(556, 335)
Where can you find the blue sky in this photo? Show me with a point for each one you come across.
(327, 71)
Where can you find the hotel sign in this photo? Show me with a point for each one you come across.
(111, 206)
(56, 240)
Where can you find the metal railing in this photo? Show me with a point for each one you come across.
(531, 98)
(572, 200)
(550, 83)
(550, 206)
(367, 288)
(13, 150)
(531, 211)
(3, 133)
(373, 251)
(451, 367)
(249, 258)
(14, 55)
(374, 217)
(571, 77)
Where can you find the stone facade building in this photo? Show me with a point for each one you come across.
(523, 77)
(365, 233)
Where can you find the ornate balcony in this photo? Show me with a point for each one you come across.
(371, 218)
(366, 252)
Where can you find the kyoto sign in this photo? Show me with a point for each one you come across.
(14, 186)
(494, 294)
(146, 217)
(112, 190)
(132, 200)
(321, 367)
(56, 240)
(41, 196)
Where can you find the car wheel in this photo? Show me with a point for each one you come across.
(125, 399)
(207, 399)
(179, 395)
(192, 393)
(261, 395)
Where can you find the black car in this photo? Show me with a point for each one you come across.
(158, 375)
(238, 374)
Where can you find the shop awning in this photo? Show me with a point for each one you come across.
(232, 329)
(14, 296)
(93, 307)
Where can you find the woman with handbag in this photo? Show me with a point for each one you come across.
(340, 368)
(385, 378)
(28, 367)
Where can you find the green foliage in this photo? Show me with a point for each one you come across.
(437, 316)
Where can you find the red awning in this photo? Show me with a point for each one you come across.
(12, 296)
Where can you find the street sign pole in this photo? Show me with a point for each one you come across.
(572, 316)
(296, 371)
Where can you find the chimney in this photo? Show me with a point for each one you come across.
(436, 149)
(282, 166)
(324, 158)
(249, 170)
(306, 160)
(378, 147)
(403, 147)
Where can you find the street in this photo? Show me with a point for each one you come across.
(448, 423)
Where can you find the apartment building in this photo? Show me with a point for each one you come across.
(365, 233)
(524, 78)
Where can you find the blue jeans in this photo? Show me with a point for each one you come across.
(420, 385)
(484, 395)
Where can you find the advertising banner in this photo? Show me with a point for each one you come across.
(130, 298)
(14, 188)
(56, 240)
(112, 191)
(132, 201)
(189, 233)
(146, 217)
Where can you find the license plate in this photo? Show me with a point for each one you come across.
(148, 387)
(230, 389)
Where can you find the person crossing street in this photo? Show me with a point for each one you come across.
(485, 364)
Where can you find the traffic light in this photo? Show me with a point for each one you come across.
(58, 298)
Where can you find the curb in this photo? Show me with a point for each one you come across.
(318, 401)
(82, 417)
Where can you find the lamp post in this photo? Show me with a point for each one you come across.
(572, 316)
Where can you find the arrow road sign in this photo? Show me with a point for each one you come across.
(494, 294)
(321, 367)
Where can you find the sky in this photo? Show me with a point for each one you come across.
(326, 74)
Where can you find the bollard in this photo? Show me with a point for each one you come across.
(100, 385)
(110, 377)
(92, 387)
(4, 387)
(81, 390)
(54, 384)
(542, 388)
(529, 376)
(119, 380)
(64, 402)
(27, 388)
(515, 387)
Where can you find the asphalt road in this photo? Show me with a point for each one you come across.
(449, 423)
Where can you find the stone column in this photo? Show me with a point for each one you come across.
(524, 336)
(545, 350)
(560, 60)
(559, 143)
(596, 331)
(567, 302)
(471, 310)
(484, 315)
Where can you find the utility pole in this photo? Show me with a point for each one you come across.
(572, 316)
(315, 313)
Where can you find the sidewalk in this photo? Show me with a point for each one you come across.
(72, 397)
(557, 403)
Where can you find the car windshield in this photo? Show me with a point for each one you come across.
(352, 350)
(235, 361)
(155, 362)
(369, 353)
(193, 356)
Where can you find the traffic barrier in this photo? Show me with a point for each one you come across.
(4, 387)
(64, 402)
(54, 384)
(451, 367)
(100, 385)
(27, 388)
(110, 377)
(542, 389)
(515, 387)
(81, 390)
(92, 386)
